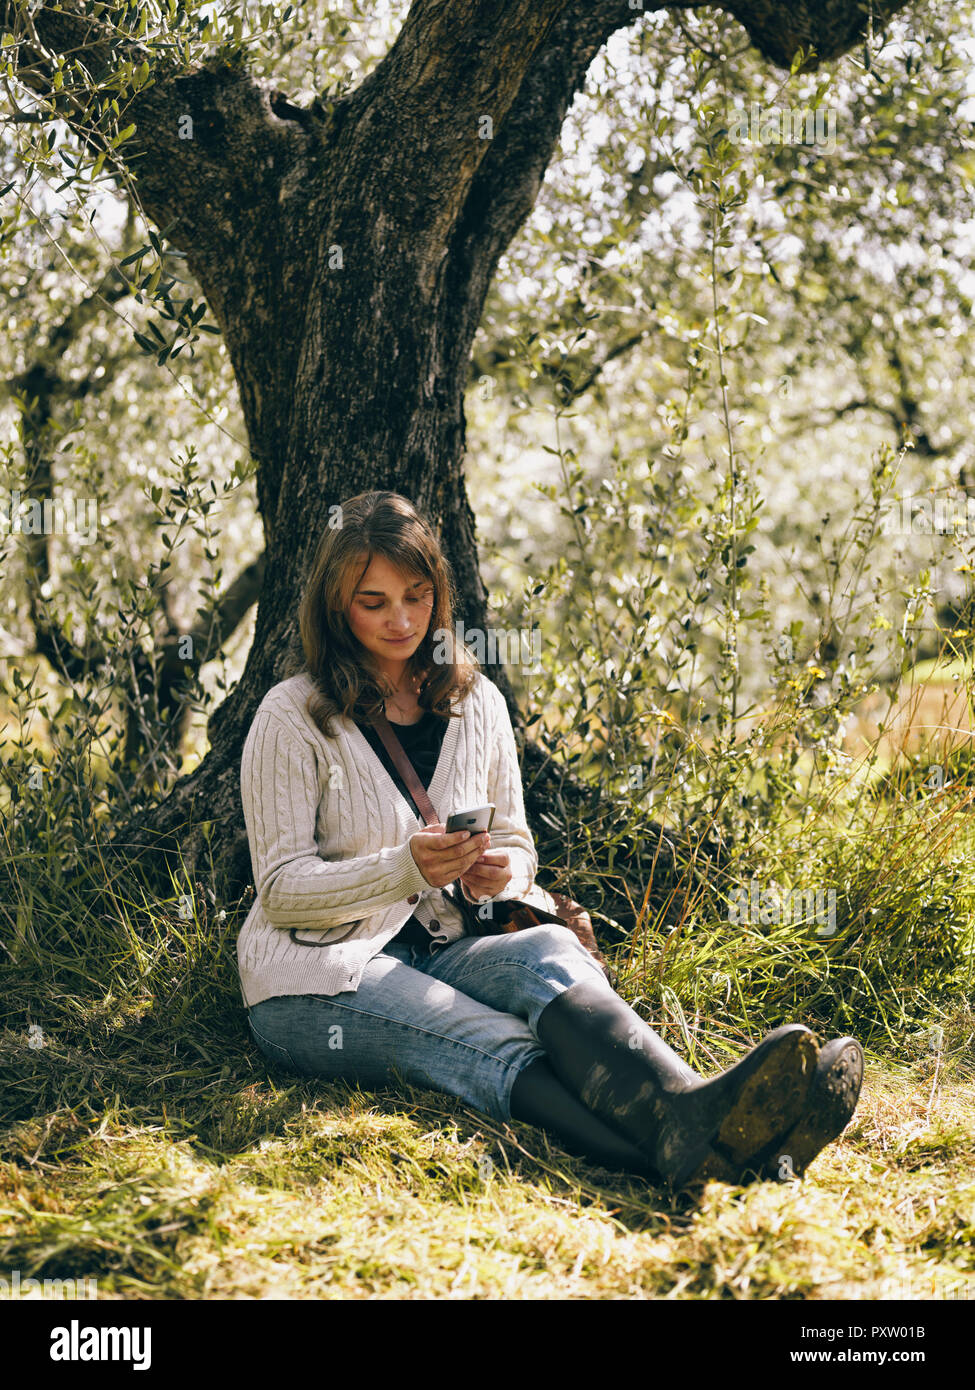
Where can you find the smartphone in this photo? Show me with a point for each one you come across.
(476, 820)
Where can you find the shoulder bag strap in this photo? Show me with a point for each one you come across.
(408, 773)
(511, 914)
(417, 790)
(405, 769)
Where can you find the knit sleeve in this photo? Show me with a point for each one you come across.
(280, 791)
(510, 829)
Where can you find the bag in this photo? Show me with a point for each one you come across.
(511, 914)
(570, 914)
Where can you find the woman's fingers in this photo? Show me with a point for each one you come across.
(442, 857)
(491, 867)
(495, 858)
(456, 861)
(488, 875)
(487, 880)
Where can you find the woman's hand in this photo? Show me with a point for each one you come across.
(488, 875)
(441, 857)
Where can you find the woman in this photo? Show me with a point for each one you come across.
(357, 960)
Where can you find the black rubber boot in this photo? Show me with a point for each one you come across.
(686, 1126)
(832, 1100)
(539, 1098)
(829, 1108)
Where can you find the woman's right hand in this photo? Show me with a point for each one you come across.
(441, 857)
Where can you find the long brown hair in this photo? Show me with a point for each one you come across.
(387, 524)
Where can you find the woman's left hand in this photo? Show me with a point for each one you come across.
(488, 875)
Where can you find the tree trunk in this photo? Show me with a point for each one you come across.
(352, 370)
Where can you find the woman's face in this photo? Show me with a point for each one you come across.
(390, 613)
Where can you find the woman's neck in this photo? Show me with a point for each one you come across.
(399, 675)
(394, 671)
(403, 704)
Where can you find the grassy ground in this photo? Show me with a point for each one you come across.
(145, 1144)
(156, 1153)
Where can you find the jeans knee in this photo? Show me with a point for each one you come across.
(551, 959)
(550, 942)
(548, 936)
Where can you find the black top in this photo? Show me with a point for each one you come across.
(421, 742)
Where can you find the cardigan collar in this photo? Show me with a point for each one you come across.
(445, 761)
(441, 773)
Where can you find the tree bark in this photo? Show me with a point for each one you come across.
(345, 251)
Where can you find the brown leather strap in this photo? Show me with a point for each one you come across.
(406, 769)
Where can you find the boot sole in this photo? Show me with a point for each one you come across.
(772, 1098)
(832, 1100)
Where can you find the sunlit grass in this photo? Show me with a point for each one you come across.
(252, 1186)
(144, 1143)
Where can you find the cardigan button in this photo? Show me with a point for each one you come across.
(413, 898)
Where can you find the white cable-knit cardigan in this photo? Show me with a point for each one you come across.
(329, 838)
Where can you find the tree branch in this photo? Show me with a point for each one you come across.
(619, 349)
(217, 624)
(832, 27)
(37, 389)
(507, 181)
(904, 419)
(203, 137)
(444, 87)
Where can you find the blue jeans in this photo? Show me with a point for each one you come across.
(462, 1020)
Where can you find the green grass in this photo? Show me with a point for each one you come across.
(147, 1145)
(257, 1187)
